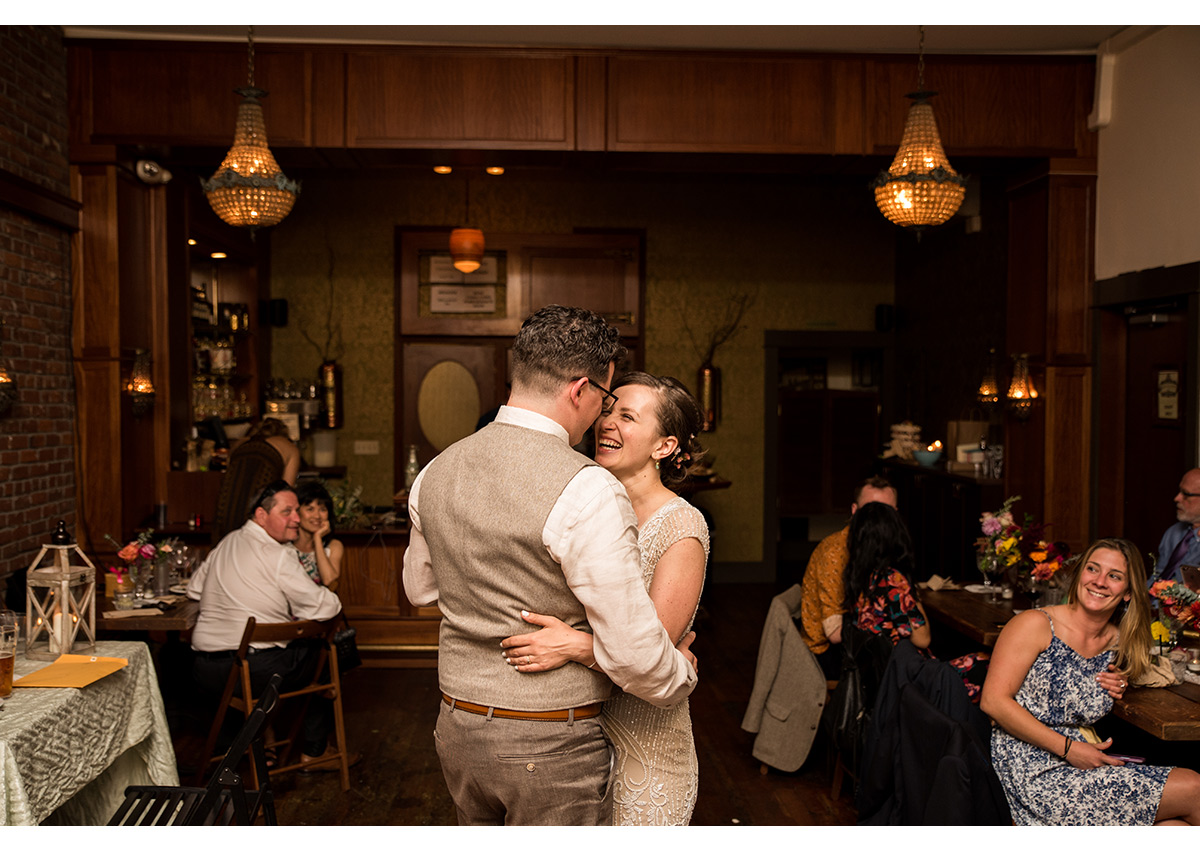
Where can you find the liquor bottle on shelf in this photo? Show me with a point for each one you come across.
(411, 467)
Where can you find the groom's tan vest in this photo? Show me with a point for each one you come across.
(483, 504)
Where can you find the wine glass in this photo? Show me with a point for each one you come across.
(989, 566)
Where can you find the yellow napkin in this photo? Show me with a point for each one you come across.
(71, 671)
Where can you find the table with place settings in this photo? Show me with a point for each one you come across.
(67, 754)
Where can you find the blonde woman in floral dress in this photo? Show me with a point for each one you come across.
(648, 442)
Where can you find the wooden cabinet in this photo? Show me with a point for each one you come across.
(416, 99)
(397, 97)
(796, 105)
(391, 631)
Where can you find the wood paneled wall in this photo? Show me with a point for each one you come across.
(1050, 280)
(553, 100)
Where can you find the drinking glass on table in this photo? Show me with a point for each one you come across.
(8, 651)
(989, 566)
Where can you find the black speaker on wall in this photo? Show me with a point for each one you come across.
(277, 312)
(885, 318)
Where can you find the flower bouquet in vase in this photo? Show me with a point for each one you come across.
(1018, 553)
(141, 557)
(1178, 608)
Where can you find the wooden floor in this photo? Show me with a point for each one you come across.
(390, 715)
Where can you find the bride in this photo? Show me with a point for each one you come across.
(648, 442)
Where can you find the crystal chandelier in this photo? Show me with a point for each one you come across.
(920, 189)
(249, 190)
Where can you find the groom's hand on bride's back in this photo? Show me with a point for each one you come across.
(682, 647)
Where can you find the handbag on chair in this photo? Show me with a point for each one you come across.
(346, 645)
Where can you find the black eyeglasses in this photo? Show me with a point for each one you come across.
(1188, 494)
(610, 398)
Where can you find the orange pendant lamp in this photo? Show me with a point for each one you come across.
(466, 243)
(920, 188)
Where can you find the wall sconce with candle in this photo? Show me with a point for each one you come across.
(141, 385)
(1021, 392)
(8, 381)
(989, 389)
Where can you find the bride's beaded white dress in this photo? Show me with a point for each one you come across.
(655, 775)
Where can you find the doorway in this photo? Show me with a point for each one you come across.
(1145, 411)
(826, 395)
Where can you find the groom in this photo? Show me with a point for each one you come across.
(512, 518)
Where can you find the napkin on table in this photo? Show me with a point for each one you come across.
(939, 583)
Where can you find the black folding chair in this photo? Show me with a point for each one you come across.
(225, 801)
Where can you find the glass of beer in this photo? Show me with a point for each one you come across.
(8, 651)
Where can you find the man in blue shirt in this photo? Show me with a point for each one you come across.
(1180, 544)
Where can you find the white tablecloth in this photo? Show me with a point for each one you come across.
(66, 754)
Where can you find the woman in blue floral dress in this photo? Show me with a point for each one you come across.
(1057, 669)
(879, 588)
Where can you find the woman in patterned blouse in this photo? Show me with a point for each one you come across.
(881, 595)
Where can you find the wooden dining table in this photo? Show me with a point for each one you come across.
(178, 617)
(1170, 713)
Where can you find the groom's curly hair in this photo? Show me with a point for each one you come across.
(558, 344)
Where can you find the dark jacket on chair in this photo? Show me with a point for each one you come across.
(926, 760)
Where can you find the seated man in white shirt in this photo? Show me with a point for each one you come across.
(252, 573)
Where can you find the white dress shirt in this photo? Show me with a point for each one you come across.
(592, 533)
(250, 574)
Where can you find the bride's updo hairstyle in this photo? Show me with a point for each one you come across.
(678, 415)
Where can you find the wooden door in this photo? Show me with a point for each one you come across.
(446, 387)
(1156, 422)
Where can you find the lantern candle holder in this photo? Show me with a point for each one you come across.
(60, 601)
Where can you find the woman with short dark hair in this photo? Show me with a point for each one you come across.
(320, 557)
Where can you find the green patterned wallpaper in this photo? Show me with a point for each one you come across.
(815, 255)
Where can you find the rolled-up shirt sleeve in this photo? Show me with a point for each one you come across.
(306, 599)
(592, 533)
(420, 586)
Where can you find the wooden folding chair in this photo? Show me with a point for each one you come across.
(225, 800)
(245, 701)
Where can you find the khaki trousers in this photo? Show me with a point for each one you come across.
(507, 771)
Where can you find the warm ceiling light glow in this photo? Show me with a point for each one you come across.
(466, 249)
(249, 190)
(191, 242)
(495, 169)
(442, 169)
(217, 255)
(920, 188)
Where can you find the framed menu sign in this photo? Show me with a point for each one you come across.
(1168, 394)
(443, 290)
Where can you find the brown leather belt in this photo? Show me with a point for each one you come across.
(579, 712)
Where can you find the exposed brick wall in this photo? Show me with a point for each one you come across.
(37, 458)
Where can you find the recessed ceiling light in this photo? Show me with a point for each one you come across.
(217, 255)
(442, 169)
(495, 169)
(191, 242)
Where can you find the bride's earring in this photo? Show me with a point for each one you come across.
(656, 464)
